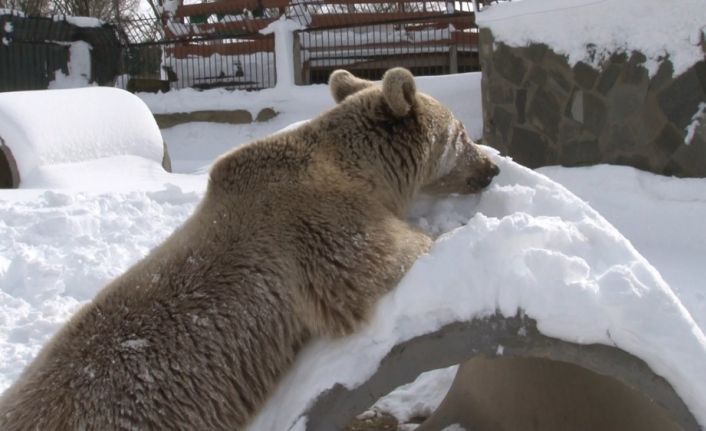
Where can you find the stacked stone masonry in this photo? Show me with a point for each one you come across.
(541, 111)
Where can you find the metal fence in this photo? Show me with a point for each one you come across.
(224, 53)
(219, 44)
(138, 54)
(429, 38)
(35, 52)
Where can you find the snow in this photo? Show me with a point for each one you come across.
(124, 172)
(524, 243)
(80, 21)
(59, 247)
(8, 28)
(79, 68)
(170, 6)
(283, 30)
(696, 120)
(571, 27)
(54, 127)
(419, 398)
(663, 217)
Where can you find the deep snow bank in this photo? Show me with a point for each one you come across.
(527, 244)
(589, 30)
(49, 127)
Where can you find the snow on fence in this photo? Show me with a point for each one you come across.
(41, 52)
(429, 38)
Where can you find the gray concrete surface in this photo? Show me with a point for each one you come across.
(519, 338)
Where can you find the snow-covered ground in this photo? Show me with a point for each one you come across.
(87, 222)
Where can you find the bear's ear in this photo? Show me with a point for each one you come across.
(399, 90)
(342, 84)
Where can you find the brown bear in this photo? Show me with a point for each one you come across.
(297, 236)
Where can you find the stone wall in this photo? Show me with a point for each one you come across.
(541, 111)
(235, 116)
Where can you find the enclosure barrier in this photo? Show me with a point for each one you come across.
(428, 38)
(221, 44)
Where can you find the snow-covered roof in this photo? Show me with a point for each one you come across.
(658, 29)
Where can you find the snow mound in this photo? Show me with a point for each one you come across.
(571, 27)
(661, 216)
(60, 248)
(526, 243)
(49, 127)
(117, 173)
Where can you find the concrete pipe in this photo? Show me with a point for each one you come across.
(53, 127)
(536, 383)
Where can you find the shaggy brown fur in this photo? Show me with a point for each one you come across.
(297, 236)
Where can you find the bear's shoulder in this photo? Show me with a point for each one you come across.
(279, 158)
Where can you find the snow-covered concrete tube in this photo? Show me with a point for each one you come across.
(532, 249)
(56, 127)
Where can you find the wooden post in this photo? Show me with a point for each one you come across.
(453, 59)
(297, 59)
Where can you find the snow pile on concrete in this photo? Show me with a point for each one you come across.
(662, 217)
(590, 30)
(51, 127)
(524, 244)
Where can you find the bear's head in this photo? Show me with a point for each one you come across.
(449, 160)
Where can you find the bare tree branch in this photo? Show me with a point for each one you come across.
(29, 7)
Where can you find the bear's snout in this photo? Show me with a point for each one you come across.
(493, 170)
(484, 177)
